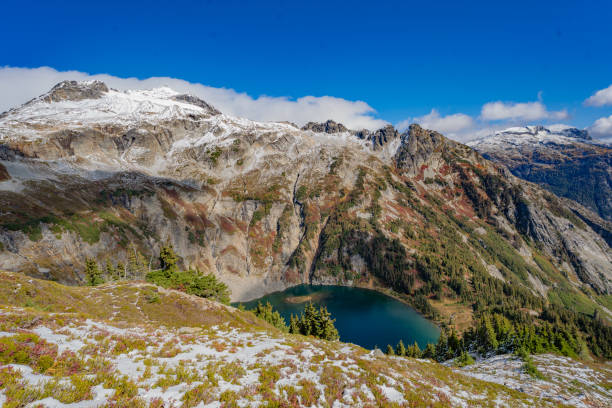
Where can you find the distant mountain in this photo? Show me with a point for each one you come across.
(91, 172)
(564, 160)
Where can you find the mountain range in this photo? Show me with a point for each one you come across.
(87, 170)
(90, 175)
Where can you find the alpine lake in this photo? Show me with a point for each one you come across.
(363, 316)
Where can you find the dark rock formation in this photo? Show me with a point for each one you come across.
(76, 91)
(328, 127)
(418, 145)
(197, 102)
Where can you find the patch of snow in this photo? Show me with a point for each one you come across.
(62, 341)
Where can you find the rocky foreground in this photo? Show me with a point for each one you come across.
(137, 345)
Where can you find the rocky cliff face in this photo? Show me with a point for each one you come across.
(565, 161)
(268, 205)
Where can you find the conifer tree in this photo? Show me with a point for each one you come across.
(486, 334)
(168, 260)
(400, 350)
(121, 271)
(267, 313)
(314, 322)
(294, 327)
(442, 347)
(326, 324)
(416, 350)
(309, 320)
(454, 345)
(390, 350)
(109, 270)
(429, 352)
(137, 264)
(92, 272)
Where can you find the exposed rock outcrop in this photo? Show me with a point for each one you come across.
(327, 127)
(75, 91)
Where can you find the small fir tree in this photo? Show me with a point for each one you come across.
(168, 260)
(267, 313)
(429, 352)
(92, 272)
(294, 326)
(400, 350)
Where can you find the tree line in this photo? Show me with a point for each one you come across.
(167, 275)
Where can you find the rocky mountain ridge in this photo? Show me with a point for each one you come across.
(564, 160)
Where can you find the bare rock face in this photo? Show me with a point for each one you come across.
(264, 206)
(419, 146)
(197, 102)
(76, 91)
(328, 127)
(380, 137)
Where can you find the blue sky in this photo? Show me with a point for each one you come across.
(401, 58)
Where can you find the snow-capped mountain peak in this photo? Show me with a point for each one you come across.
(533, 135)
(83, 103)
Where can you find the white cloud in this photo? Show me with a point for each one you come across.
(600, 98)
(602, 128)
(519, 111)
(18, 85)
(449, 124)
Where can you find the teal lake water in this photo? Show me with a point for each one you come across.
(364, 317)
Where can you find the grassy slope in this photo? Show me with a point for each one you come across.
(123, 344)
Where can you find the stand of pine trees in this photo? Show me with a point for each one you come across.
(168, 275)
(267, 313)
(313, 322)
(496, 334)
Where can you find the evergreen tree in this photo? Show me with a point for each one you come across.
(121, 271)
(168, 260)
(314, 322)
(294, 327)
(454, 345)
(110, 271)
(400, 350)
(92, 272)
(416, 350)
(442, 347)
(390, 350)
(429, 352)
(137, 264)
(486, 334)
(326, 324)
(267, 313)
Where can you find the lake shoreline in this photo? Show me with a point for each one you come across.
(388, 317)
(403, 298)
